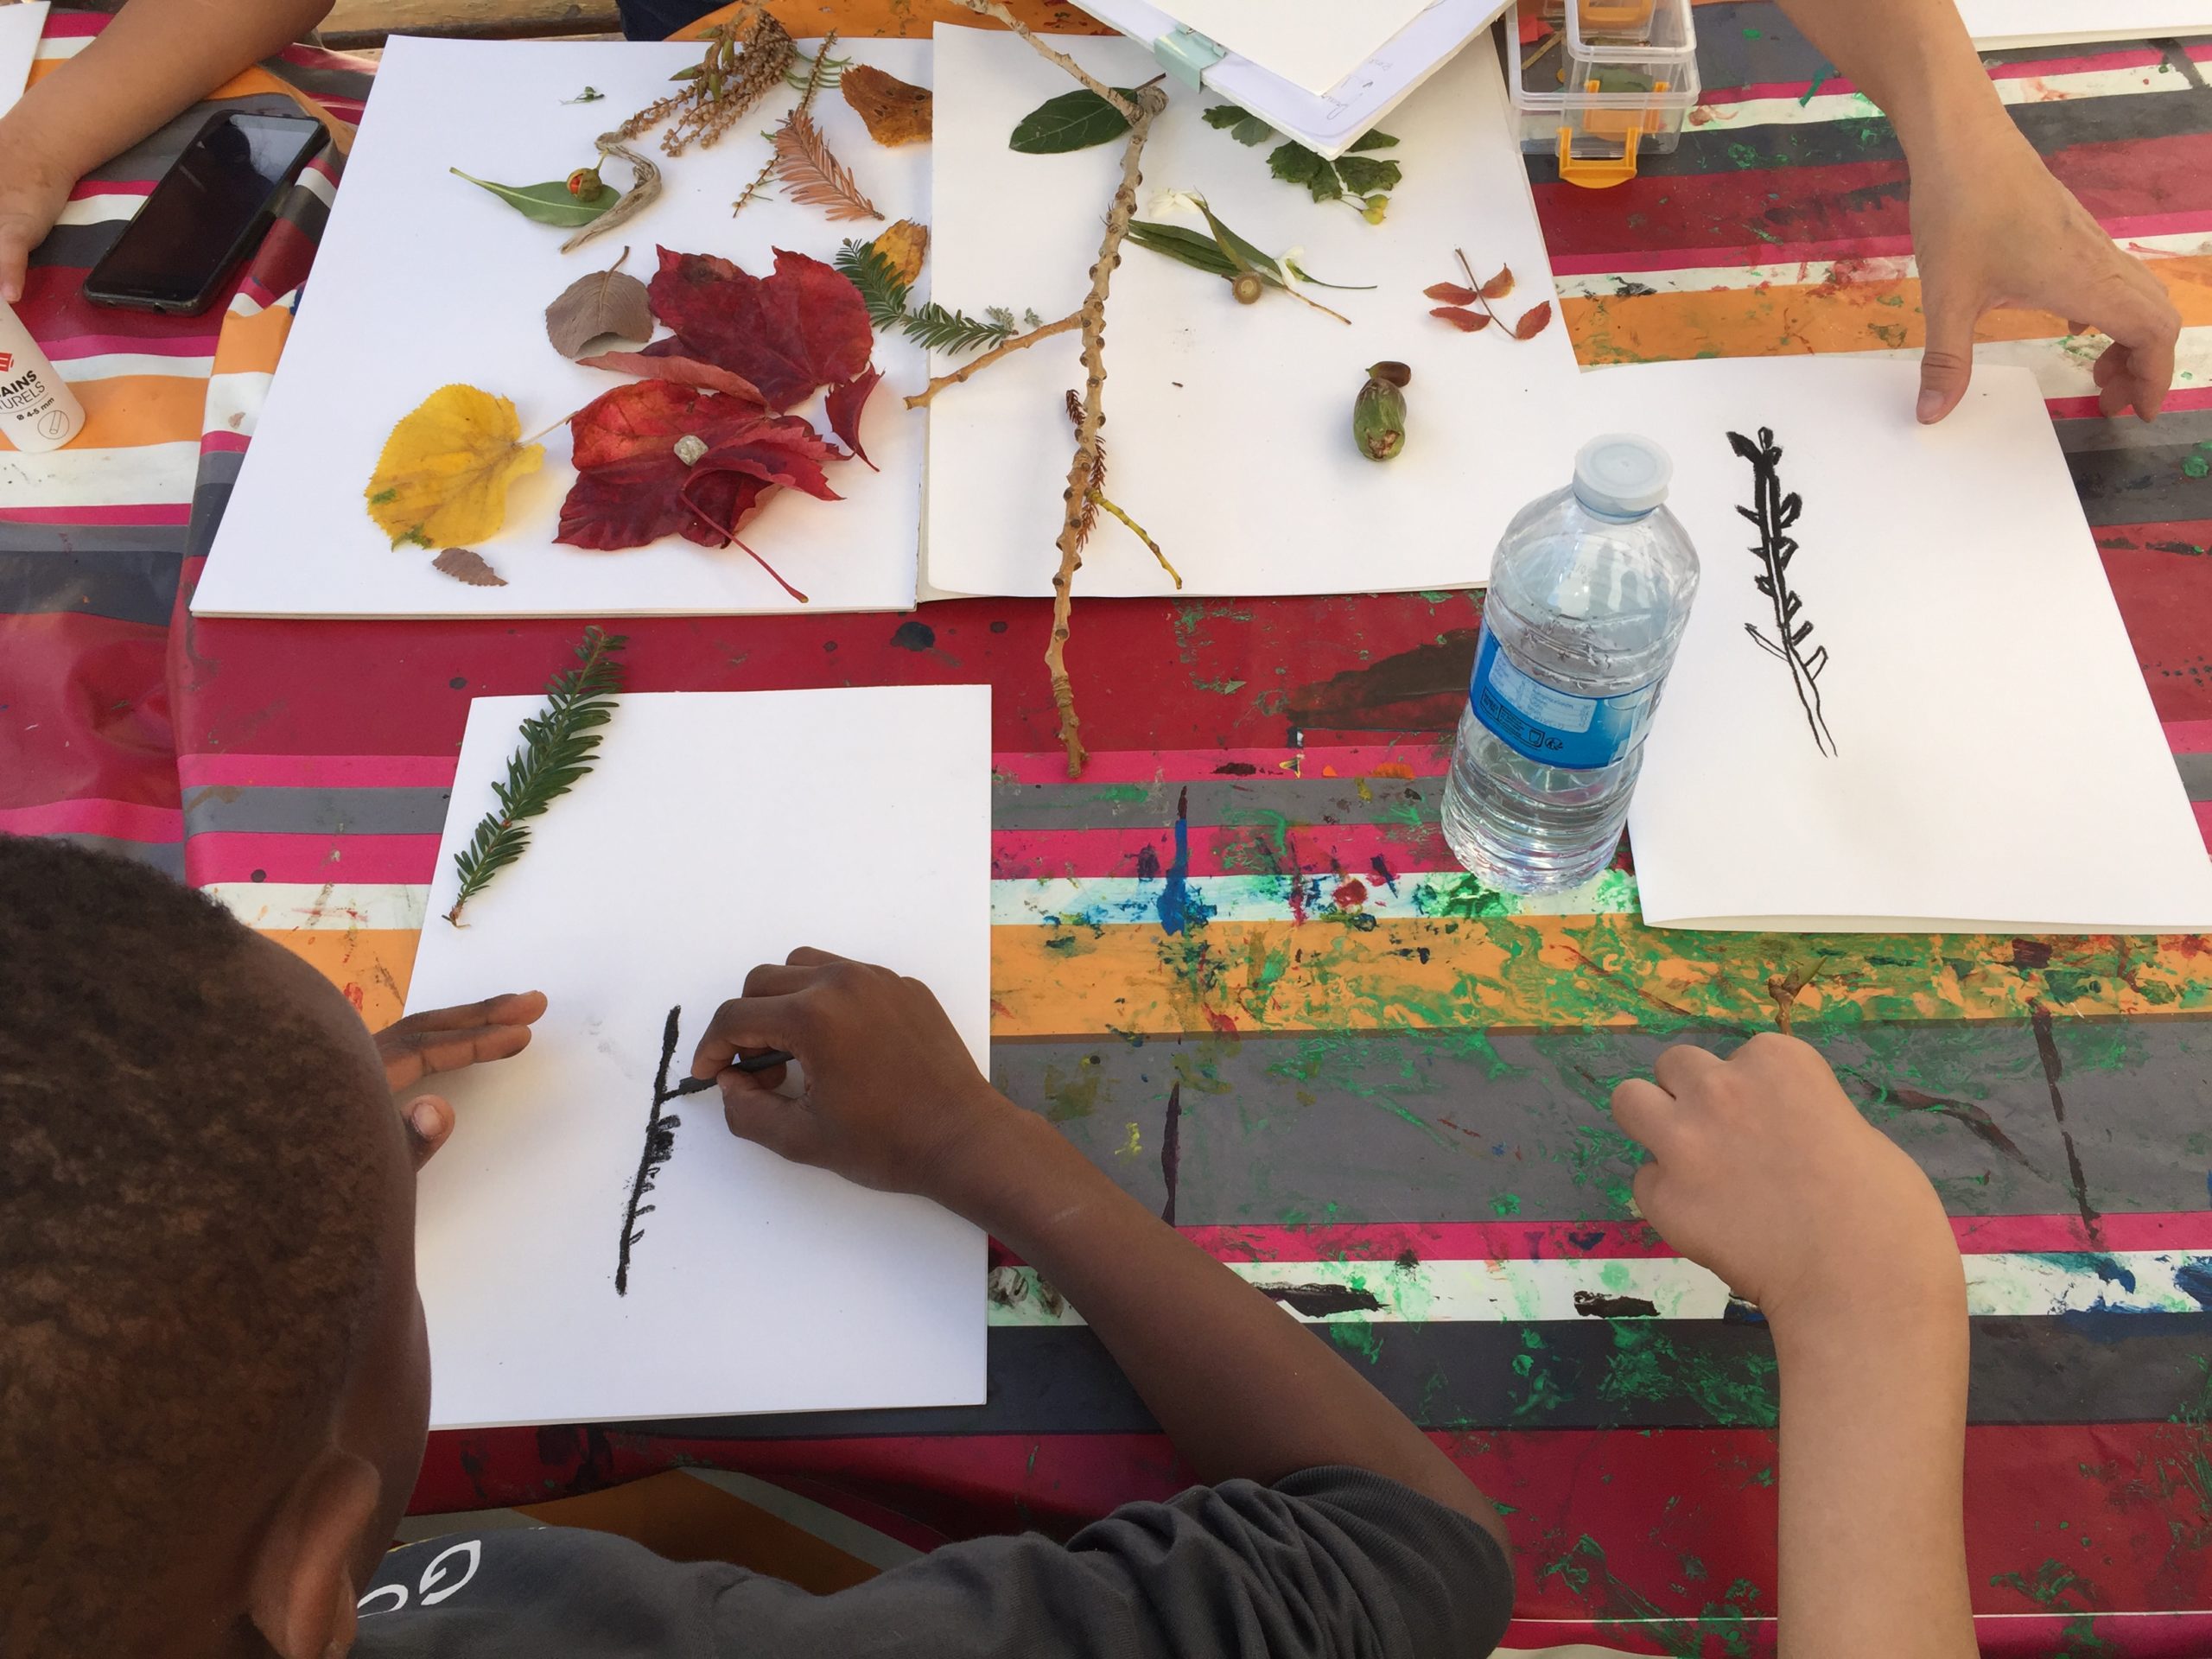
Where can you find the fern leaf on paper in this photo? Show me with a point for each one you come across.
(812, 176)
(1773, 513)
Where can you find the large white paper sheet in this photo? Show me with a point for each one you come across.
(423, 280)
(20, 28)
(716, 832)
(1996, 761)
(1997, 23)
(1229, 427)
(1310, 43)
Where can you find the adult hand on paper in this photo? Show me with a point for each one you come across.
(893, 1100)
(1762, 1170)
(1991, 226)
(448, 1039)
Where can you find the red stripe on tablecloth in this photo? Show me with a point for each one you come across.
(71, 25)
(156, 512)
(2188, 736)
(2085, 409)
(317, 770)
(242, 855)
(97, 187)
(88, 816)
(1217, 850)
(76, 345)
(54, 306)
(224, 441)
(1420, 758)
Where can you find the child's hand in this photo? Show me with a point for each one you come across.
(1762, 1170)
(447, 1039)
(893, 1101)
(32, 196)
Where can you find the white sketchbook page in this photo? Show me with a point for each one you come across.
(716, 832)
(1998, 23)
(1229, 427)
(1998, 763)
(1313, 44)
(422, 280)
(20, 28)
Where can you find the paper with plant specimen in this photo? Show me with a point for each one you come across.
(425, 280)
(750, 1284)
(1312, 44)
(1904, 700)
(1226, 422)
(20, 28)
(1995, 23)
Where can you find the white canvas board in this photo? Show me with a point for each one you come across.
(1998, 23)
(1229, 427)
(1326, 121)
(1310, 43)
(20, 28)
(422, 280)
(716, 832)
(1996, 761)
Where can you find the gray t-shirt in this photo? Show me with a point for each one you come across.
(1328, 1562)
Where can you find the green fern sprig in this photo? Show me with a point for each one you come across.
(556, 749)
(929, 325)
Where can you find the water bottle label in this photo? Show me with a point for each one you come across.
(1559, 728)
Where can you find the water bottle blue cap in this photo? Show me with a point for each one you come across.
(1622, 474)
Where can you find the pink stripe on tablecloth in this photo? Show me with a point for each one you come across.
(1417, 759)
(1314, 852)
(1852, 247)
(317, 770)
(124, 820)
(71, 25)
(236, 855)
(222, 442)
(2188, 736)
(159, 512)
(99, 186)
(77, 345)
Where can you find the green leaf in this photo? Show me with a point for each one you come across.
(1074, 120)
(1200, 252)
(1244, 128)
(1294, 163)
(1375, 140)
(1364, 176)
(549, 203)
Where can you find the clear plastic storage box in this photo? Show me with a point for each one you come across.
(1613, 79)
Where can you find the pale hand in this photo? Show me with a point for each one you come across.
(448, 1040)
(31, 198)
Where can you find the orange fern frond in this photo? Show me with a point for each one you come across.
(813, 177)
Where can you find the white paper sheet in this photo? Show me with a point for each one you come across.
(716, 832)
(1229, 427)
(424, 279)
(1997, 762)
(20, 28)
(1997, 23)
(1310, 43)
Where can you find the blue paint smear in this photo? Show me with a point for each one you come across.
(2195, 1281)
(1180, 909)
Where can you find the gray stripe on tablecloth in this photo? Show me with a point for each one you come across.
(91, 538)
(316, 812)
(2196, 775)
(1409, 1126)
(2141, 483)
(134, 585)
(2181, 428)
(167, 856)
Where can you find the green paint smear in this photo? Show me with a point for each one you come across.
(1646, 1367)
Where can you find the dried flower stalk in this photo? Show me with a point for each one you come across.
(746, 58)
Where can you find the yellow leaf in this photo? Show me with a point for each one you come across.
(903, 247)
(444, 476)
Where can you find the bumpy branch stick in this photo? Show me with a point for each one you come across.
(938, 382)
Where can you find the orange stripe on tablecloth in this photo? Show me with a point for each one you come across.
(131, 410)
(251, 342)
(1845, 316)
(370, 965)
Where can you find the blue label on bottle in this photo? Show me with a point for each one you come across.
(1559, 728)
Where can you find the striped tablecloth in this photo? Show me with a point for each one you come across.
(1236, 965)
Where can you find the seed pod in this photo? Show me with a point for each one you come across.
(585, 183)
(1247, 288)
(1378, 413)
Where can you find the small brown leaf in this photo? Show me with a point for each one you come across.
(1450, 293)
(1464, 321)
(1500, 285)
(591, 308)
(896, 113)
(466, 564)
(679, 371)
(1533, 322)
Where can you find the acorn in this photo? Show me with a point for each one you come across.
(1378, 413)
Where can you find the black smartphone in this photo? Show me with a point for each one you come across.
(206, 215)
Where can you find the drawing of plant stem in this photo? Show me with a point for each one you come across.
(660, 1144)
(1773, 513)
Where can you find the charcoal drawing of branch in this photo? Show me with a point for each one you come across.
(1772, 513)
(660, 1145)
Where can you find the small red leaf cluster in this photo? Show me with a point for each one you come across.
(700, 444)
(1458, 298)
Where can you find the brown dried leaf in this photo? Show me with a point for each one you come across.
(680, 370)
(1533, 322)
(1500, 285)
(896, 113)
(591, 308)
(903, 247)
(812, 176)
(466, 564)
(1464, 321)
(1450, 293)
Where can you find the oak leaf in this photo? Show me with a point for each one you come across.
(896, 112)
(805, 326)
(591, 308)
(442, 478)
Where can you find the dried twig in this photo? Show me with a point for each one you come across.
(644, 190)
(744, 59)
(819, 73)
(921, 400)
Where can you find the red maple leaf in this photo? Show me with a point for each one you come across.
(633, 487)
(843, 406)
(803, 327)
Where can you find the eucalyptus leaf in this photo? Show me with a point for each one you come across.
(1072, 121)
(551, 203)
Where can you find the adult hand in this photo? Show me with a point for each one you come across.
(32, 195)
(1991, 226)
(1762, 1170)
(448, 1040)
(893, 1097)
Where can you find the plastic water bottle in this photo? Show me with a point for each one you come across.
(1588, 593)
